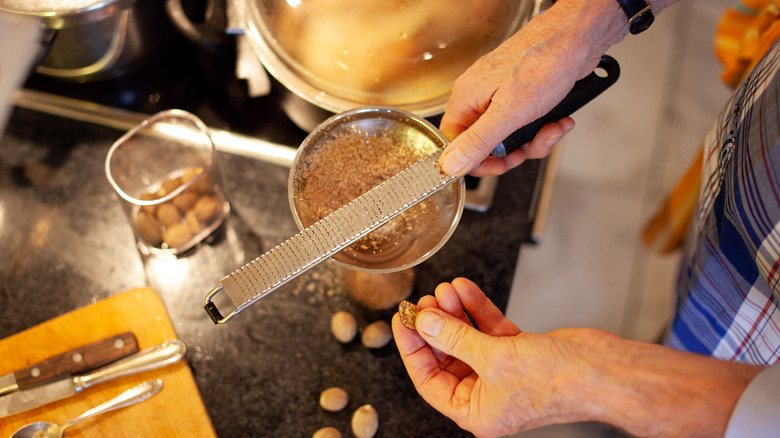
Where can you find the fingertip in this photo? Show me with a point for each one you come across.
(553, 139)
(448, 300)
(395, 321)
(567, 123)
(462, 282)
(454, 162)
(427, 301)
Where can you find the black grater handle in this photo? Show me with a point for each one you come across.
(584, 90)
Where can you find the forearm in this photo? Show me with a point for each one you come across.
(595, 25)
(650, 390)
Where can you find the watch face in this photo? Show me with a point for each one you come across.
(641, 22)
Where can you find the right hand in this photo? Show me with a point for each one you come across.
(523, 79)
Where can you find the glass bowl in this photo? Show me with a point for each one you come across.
(354, 151)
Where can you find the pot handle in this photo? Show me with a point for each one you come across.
(211, 33)
(584, 90)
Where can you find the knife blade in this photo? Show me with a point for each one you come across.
(331, 234)
(151, 358)
(78, 360)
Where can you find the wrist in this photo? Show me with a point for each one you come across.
(651, 390)
(601, 23)
(587, 28)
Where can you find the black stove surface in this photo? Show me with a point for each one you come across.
(188, 77)
(254, 372)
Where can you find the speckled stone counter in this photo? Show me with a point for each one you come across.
(66, 243)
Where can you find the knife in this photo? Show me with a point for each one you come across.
(77, 360)
(151, 358)
(331, 234)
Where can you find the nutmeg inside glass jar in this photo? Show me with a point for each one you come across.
(167, 178)
(354, 151)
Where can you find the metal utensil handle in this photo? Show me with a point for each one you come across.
(148, 359)
(130, 397)
(584, 90)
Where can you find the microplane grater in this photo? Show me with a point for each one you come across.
(326, 237)
(378, 206)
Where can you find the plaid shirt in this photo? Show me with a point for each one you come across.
(729, 282)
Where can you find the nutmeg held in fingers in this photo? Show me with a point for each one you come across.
(408, 312)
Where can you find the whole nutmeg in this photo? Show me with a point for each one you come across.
(168, 186)
(148, 227)
(207, 208)
(327, 432)
(365, 422)
(408, 312)
(377, 334)
(334, 399)
(193, 222)
(344, 326)
(151, 209)
(190, 172)
(185, 201)
(204, 182)
(177, 235)
(168, 214)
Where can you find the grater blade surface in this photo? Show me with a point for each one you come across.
(323, 239)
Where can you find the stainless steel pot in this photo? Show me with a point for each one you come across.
(92, 39)
(336, 55)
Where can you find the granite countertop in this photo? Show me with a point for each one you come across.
(66, 243)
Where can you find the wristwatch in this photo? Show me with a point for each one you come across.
(639, 14)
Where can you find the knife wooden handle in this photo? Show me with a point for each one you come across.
(78, 360)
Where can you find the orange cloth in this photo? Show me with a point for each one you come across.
(666, 228)
(743, 36)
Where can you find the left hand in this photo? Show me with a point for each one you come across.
(496, 380)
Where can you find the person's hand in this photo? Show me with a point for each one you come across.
(522, 80)
(496, 380)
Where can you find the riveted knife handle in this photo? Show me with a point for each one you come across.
(77, 360)
(584, 90)
(148, 359)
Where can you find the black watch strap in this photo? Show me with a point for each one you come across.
(639, 14)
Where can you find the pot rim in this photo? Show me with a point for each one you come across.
(255, 28)
(72, 13)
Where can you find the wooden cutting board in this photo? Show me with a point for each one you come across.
(177, 410)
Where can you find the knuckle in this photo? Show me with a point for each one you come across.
(457, 337)
(477, 144)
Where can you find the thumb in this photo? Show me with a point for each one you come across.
(452, 336)
(472, 146)
(467, 151)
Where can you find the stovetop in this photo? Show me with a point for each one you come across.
(266, 354)
(189, 77)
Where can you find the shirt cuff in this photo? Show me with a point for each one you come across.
(756, 412)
